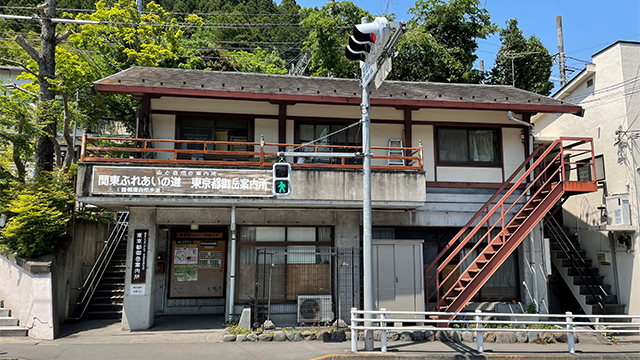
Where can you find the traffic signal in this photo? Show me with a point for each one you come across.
(368, 41)
(281, 179)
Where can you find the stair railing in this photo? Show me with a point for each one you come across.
(543, 177)
(97, 271)
(577, 262)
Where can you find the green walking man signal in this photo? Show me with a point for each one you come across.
(281, 179)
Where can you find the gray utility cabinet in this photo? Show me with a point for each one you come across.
(398, 280)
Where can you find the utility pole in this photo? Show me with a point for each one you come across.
(482, 71)
(139, 3)
(563, 75)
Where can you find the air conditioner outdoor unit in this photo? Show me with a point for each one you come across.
(604, 258)
(314, 308)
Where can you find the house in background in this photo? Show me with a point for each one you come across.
(604, 224)
(207, 234)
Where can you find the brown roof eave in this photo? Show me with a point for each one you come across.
(159, 91)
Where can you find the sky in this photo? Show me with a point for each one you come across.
(588, 25)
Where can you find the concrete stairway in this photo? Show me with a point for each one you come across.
(9, 325)
(108, 298)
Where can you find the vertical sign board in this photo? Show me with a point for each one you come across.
(139, 269)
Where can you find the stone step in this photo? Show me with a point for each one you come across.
(93, 307)
(5, 312)
(8, 321)
(97, 315)
(13, 331)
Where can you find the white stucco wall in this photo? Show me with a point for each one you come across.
(29, 297)
(425, 133)
(163, 127)
(214, 105)
(610, 106)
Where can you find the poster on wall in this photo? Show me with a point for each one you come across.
(139, 269)
(191, 272)
(179, 273)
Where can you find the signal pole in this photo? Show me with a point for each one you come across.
(367, 228)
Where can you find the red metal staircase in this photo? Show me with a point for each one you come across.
(551, 173)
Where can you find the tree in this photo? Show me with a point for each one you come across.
(331, 27)
(441, 42)
(531, 61)
(18, 130)
(260, 61)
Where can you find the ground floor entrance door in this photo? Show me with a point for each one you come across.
(398, 280)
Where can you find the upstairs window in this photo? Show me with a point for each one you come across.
(468, 147)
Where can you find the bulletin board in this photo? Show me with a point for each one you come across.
(197, 264)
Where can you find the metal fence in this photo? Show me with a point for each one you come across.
(477, 322)
(284, 275)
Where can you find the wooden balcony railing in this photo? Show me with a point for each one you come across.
(229, 153)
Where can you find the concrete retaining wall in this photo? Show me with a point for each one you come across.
(26, 289)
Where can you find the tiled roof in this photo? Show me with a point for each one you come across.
(216, 84)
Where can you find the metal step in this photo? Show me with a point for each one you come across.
(588, 271)
(567, 262)
(610, 309)
(584, 290)
(577, 280)
(609, 299)
(561, 255)
(103, 286)
(13, 331)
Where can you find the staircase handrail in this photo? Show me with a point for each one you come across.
(483, 208)
(500, 205)
(596, 290)
(95, 275)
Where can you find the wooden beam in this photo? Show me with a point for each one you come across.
(282, 125)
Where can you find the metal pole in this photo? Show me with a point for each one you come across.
(479, 334)
(354, 332)
(570, 339)
(366, 218)
(513, 72)
(383, 333)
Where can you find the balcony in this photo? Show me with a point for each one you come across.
(203, 173)
(241, 154)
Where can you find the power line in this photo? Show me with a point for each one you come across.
(181, 25)
(146, 12)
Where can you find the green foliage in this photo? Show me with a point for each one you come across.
(259, 61)
(532, 71)
(531, 308)
(441, 42)
(18, 129)
(331, 27)
(38, 213)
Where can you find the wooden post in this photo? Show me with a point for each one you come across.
(83, 148)
(420, 156)
(261, 150)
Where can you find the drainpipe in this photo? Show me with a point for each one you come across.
(232, 278)
(531, 238)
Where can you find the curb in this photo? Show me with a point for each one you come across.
(379, 356)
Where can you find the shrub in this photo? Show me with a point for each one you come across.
(38, 213)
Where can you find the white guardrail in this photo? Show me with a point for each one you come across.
(565, 323)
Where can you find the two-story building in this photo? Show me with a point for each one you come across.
(207, 235)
